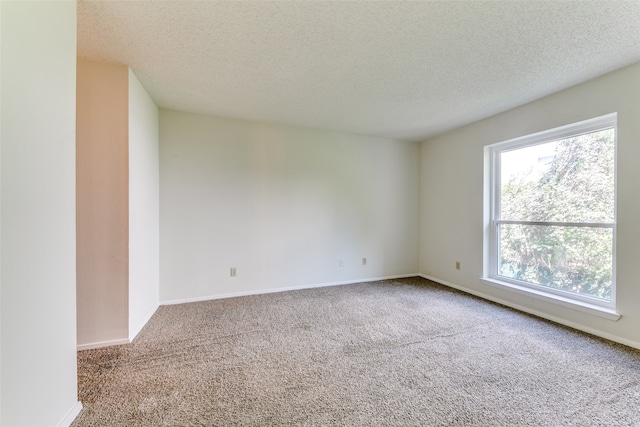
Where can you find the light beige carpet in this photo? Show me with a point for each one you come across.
(402, 352)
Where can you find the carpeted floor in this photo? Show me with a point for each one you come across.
(404, 352)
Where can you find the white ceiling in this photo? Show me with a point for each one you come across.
(405, 70)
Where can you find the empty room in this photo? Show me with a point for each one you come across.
(319, 213)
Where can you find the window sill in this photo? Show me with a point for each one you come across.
(605, 313)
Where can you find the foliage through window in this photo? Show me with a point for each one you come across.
(553, 211)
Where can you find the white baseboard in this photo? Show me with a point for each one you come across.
(538, 313)
(71, 415)
(100, 344)
(136, 330)
(274, 290)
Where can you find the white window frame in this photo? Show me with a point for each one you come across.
(597, 306)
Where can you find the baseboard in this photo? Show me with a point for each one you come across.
(71, 415)
(101, 344)
(134, 333)
(275, 290)
(537, 313)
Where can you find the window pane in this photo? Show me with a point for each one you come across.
(573, 259)
(570, 180)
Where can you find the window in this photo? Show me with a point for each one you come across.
(552, 226)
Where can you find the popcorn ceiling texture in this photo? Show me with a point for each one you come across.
(406, 70)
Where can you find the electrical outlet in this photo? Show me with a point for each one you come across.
(232, 272)
(341, 263)
(457, 265)
(364, 261)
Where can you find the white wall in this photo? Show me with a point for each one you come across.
(144, 205)
(282, 205)
(38, 213)
(117, 204)
(102, 203)
(1, 35)
(452, 197)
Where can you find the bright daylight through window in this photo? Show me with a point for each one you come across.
(552, 225)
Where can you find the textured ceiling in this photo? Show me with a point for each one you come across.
(406, 70)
